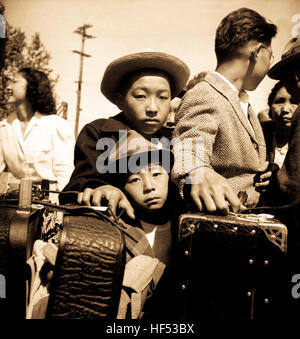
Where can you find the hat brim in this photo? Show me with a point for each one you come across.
(132, 163)
(279, 70)
(115, 72)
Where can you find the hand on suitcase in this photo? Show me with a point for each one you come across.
(115, 199)
(213, 192)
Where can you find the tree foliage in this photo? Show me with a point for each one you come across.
(20, 53)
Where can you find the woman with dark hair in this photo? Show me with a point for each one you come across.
(34, 141)
(276, 130)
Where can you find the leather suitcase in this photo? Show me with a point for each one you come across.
(89, 269)
(231, 267)
(19, 228)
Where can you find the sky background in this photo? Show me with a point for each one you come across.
(184, 28)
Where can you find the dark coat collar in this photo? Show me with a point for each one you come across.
(115, 123)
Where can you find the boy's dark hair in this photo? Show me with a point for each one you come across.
(239, 27)
(39, 92)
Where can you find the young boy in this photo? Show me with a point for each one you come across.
(142, 86)
(146, 185)
(212, 112)
(149, 190)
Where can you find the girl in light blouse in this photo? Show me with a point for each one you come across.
(34, 141)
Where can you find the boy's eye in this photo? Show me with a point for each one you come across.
(140, 96)
(164, 97)
(156, 173)
(133, 180)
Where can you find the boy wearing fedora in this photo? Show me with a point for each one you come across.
(215, 113)
(288, 70)
(142, 86)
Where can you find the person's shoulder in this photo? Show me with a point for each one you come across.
(203, 88)
(110, 124)
(97, 123)
(55, 120)
(57, 126)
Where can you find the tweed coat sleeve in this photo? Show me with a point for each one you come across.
(195, 132)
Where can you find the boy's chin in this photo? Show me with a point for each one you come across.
(151, 208)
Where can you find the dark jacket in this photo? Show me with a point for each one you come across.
(85, 173)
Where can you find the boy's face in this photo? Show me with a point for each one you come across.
(146, 104)
(148, 188)
(260, 63)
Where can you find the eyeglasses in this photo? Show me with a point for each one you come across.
(271, 53)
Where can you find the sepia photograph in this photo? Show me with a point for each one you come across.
(150, 162)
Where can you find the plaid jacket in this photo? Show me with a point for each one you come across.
(211, 112)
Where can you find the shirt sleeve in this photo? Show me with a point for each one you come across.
(63, 152)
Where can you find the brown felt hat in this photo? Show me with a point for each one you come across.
(291, 54)
(177, 70)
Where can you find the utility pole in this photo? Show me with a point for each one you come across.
(81, 31)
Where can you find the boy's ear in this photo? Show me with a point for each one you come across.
(119, 101)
